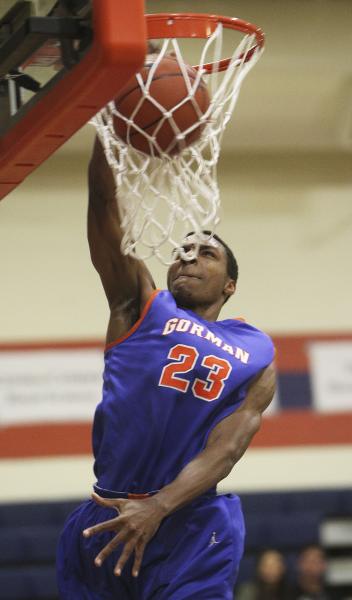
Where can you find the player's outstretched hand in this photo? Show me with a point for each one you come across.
(135, 525)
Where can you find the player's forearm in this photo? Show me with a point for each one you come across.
(100, 178)
(201, 474)
(212, 465)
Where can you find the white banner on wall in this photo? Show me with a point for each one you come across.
(49, 385)
(331, 375)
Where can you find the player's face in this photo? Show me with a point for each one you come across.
(202, 281)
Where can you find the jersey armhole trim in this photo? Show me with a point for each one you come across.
(137, 323)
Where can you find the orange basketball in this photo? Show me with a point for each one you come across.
(167, 88)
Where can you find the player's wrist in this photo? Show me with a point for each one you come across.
(164, 503)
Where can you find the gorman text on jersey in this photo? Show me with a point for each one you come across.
(188, 326)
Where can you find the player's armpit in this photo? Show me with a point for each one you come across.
(261, 390)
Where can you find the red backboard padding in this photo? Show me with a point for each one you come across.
(117, 52)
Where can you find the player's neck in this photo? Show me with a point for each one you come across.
(206, 312)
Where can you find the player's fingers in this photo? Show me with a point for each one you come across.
(138, 557)
(126, 553)
(111, 525)
(108, 549)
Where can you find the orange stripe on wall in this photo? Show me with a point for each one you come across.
(51, 439)
(290, 428)
(304, 428)
(292, 350)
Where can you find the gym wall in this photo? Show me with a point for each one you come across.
(286, 185)
(287, 219)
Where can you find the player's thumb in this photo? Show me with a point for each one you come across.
(107, 502)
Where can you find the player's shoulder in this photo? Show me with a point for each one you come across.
(162, 306)
(166, 296)
(246, 330)
(257, 342)
(163, 300)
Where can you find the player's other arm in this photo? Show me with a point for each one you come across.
(126, 280)
(226, 444)
(139, 519)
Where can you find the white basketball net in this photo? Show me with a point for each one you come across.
(162, 198)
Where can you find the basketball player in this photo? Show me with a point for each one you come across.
(183, 396)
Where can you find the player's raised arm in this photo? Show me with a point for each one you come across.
(126, 280)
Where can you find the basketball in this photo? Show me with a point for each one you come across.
(167, 90)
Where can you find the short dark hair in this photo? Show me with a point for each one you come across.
(232, 265)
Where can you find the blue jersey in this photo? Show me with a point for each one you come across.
(167, 383)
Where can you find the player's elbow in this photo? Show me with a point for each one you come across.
(229, 455)
(226, 463)
(242, 438)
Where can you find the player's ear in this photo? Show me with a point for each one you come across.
(229, 288)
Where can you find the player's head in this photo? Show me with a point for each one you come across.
(209, 278)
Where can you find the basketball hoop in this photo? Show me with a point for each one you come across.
(193, 25)
(162, 197)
